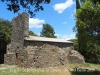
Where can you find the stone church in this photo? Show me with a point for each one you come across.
(34, 51)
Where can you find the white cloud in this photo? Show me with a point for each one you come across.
(64, 22)
(68, 37)
(57, 35)
(35, 23)
(60, 7)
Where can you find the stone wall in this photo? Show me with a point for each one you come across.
(43, 56)
(19, 31)
(10, 59)
(32, 44)
(47, 56)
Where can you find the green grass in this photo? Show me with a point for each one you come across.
(86, 65)
(86, 69)
(14, 70)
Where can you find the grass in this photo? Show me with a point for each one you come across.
(16, 71)
(84, 66)
(61, 70)
(86, 69)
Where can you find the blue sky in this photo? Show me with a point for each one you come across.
(59, 14)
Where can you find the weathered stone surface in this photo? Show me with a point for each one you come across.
(45, 56)
(49, 56)
(74, 56)
(10, 59)
(32, 44)
(19, 31)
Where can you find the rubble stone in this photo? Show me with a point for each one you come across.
(48, 56)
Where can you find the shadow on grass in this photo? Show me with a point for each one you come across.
(79, 71)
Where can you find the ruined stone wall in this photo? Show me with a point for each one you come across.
(10, 59)
(41, 43)
(48, 56)
(36, 53)
(19, 31)
(45, 56)
(20, 26)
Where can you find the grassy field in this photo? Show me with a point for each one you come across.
(61, 70)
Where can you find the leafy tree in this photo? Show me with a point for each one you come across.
(78, 34)
(75, 43)
(31, 6)
(88, 28)
(77, 4)
(47, 31)
(94, 1)
(32, 33)
(5, 37)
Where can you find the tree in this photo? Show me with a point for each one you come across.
(88, 28)
(32, 33)
(75, 43)
(77, 4)
(47, 31)
(94, 1)
(5, 37)
(78, 34)
(31, 6)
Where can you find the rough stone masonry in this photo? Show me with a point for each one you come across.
(35, 53)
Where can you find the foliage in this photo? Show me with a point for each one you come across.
(47, 31)
(88, 30)
(77, 4)
(88, 72)
(75, 43)
(31, 6)
(32, 33)
(5, 36)
(94, 1)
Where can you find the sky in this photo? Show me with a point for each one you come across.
(59, 14)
